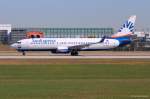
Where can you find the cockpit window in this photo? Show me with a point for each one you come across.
(18, 42)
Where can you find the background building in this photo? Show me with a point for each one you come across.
(5, 30)
(20, 33)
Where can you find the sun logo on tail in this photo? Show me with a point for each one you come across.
(127, 26)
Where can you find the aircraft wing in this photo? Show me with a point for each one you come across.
(78, 47)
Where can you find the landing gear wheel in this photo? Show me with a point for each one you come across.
(23, 53)
(74, 53)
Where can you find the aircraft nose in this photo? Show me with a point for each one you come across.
(14, 45)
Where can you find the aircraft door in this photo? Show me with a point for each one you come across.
(19, 45)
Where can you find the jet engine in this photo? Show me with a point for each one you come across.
(61, 50)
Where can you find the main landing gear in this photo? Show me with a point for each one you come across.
(24, 53)
(74, 53)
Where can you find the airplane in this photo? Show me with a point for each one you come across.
(74, 45)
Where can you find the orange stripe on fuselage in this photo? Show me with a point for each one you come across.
(120, 35)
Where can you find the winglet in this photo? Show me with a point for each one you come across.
(103, 39)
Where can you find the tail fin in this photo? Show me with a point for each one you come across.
(127, 28)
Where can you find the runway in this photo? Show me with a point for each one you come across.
(83, 55)
(75, 57)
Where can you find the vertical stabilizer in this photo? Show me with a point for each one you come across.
(127, 29)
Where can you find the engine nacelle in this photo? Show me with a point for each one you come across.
(61, 50)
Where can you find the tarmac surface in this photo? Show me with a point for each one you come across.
(74, 57)
(83, 55)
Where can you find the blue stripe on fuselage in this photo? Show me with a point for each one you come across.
(124, 40)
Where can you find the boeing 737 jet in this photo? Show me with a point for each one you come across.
(74, 45)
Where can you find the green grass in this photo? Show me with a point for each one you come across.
(75, 81)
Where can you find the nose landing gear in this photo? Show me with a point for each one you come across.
(23, 53)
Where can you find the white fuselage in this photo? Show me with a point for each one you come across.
(64, 43)
(73, 45)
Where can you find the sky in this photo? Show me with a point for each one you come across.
(74, 13)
